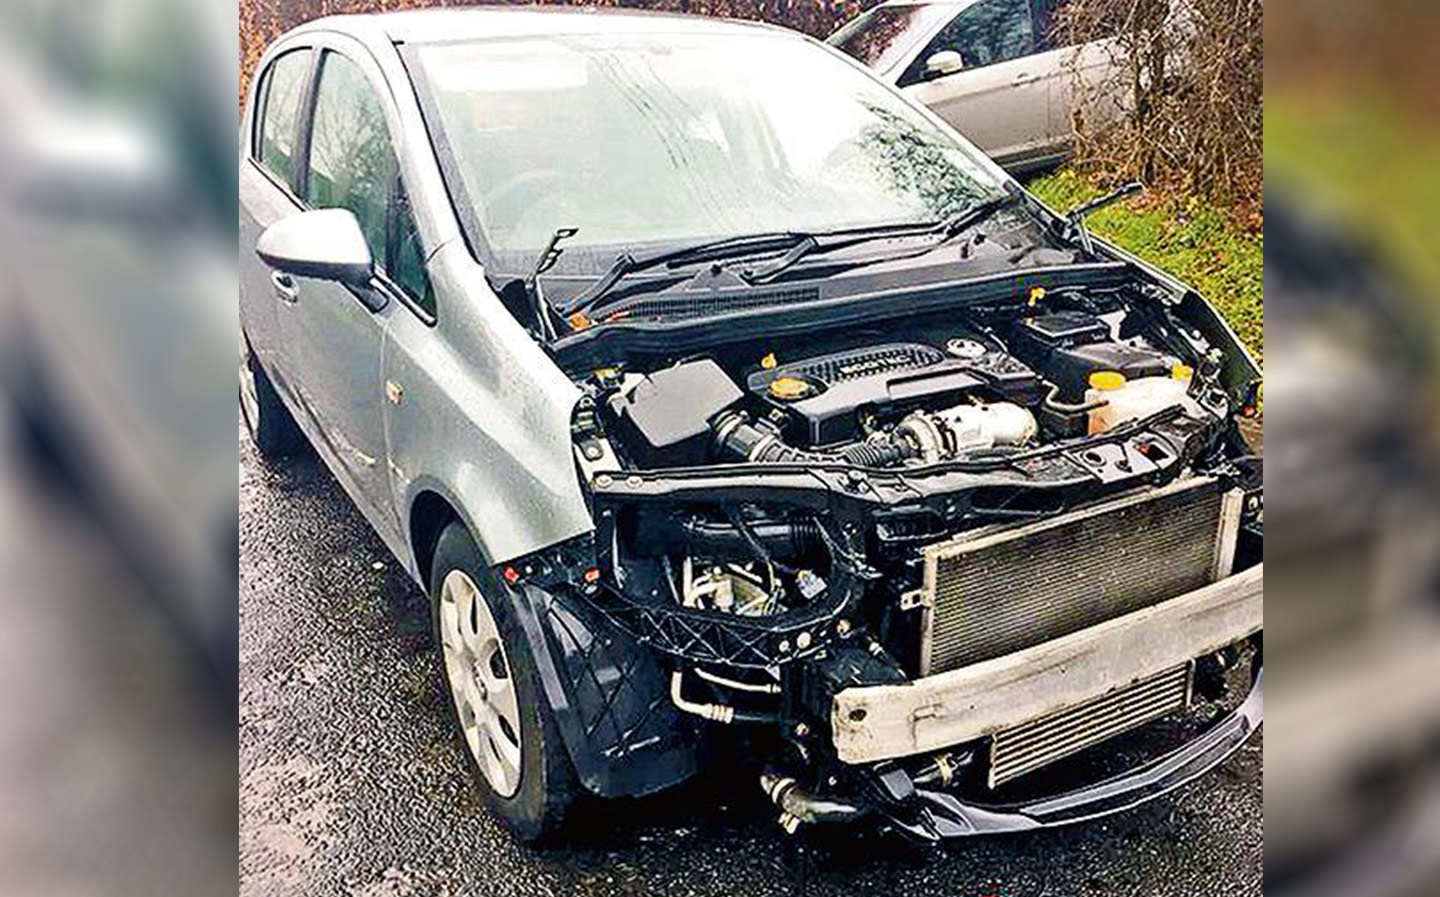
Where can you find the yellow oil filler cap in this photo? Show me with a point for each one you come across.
(1182, 372)
(1106, 381)
(789, 389)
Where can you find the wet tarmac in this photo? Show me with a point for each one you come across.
(350, 783)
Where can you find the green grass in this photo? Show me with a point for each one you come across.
(1210, 249)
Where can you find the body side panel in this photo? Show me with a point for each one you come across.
(486, 414)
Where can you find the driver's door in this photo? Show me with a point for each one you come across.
(1000, 100)
(334, 334)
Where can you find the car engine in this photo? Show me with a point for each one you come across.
(982, 393)
(896, 404)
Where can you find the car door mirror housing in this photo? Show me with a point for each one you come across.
(945, 62)
(326, 244)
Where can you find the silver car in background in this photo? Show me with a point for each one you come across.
(998, 71)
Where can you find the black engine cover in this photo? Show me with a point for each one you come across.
(887, 378)
(665, 420)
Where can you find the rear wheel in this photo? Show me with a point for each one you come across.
(267, 420)
(511, 745)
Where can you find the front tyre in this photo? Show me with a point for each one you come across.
(509, 738)
(267, 420)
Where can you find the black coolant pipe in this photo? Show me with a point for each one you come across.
(781, 539)
(737, 437)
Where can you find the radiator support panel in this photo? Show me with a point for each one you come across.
(1002, 589)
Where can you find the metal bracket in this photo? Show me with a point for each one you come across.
(914, 599)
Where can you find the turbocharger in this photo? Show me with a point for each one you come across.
(943, 435)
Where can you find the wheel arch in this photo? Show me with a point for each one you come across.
(556, 634)
(431, 511)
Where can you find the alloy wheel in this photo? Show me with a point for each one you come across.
(249, 394)
(480, 682)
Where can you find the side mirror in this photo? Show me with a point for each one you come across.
(946, 62)
(326, 244)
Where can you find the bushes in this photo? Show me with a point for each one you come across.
(1190, 74)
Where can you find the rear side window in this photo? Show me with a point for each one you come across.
(284, 87)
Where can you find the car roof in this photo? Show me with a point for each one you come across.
(479, 23)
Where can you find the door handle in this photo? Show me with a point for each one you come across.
(1025, 78)
(284, 286)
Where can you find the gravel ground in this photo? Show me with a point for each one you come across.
(350, 782)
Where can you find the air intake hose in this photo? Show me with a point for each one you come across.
(737, 437)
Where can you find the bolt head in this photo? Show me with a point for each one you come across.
(842, 628)
(802, 641)
(801, 730)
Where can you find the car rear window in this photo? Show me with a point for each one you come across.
(284, 85)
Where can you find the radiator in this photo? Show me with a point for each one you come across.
(1015, 752)
(998, 590)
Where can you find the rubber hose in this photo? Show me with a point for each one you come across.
(782, 539)
(745, 440)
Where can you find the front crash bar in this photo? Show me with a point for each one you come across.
(943, 816)
(883, 722)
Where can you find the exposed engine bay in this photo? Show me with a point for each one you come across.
(785, 522)
(976, 392)
(942, 394)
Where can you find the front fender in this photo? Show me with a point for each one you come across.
(477, 412)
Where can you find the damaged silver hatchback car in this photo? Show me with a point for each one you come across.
(723, 399)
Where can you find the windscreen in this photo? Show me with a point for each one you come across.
(642, 141)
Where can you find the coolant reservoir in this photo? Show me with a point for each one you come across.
(1127, 400)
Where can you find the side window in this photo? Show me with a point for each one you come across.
(1051, 31)
(280, 112)
(407, 256)
(351, 163)
(987, 33)
(353, 166)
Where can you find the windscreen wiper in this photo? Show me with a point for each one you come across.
(947, 231)
(626, 264)
(1075, 218)
(725, 250)
(547, 259)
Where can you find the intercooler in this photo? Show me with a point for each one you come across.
(1015, 752)
(998, 590)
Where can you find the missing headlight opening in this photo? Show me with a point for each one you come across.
(842, 542)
